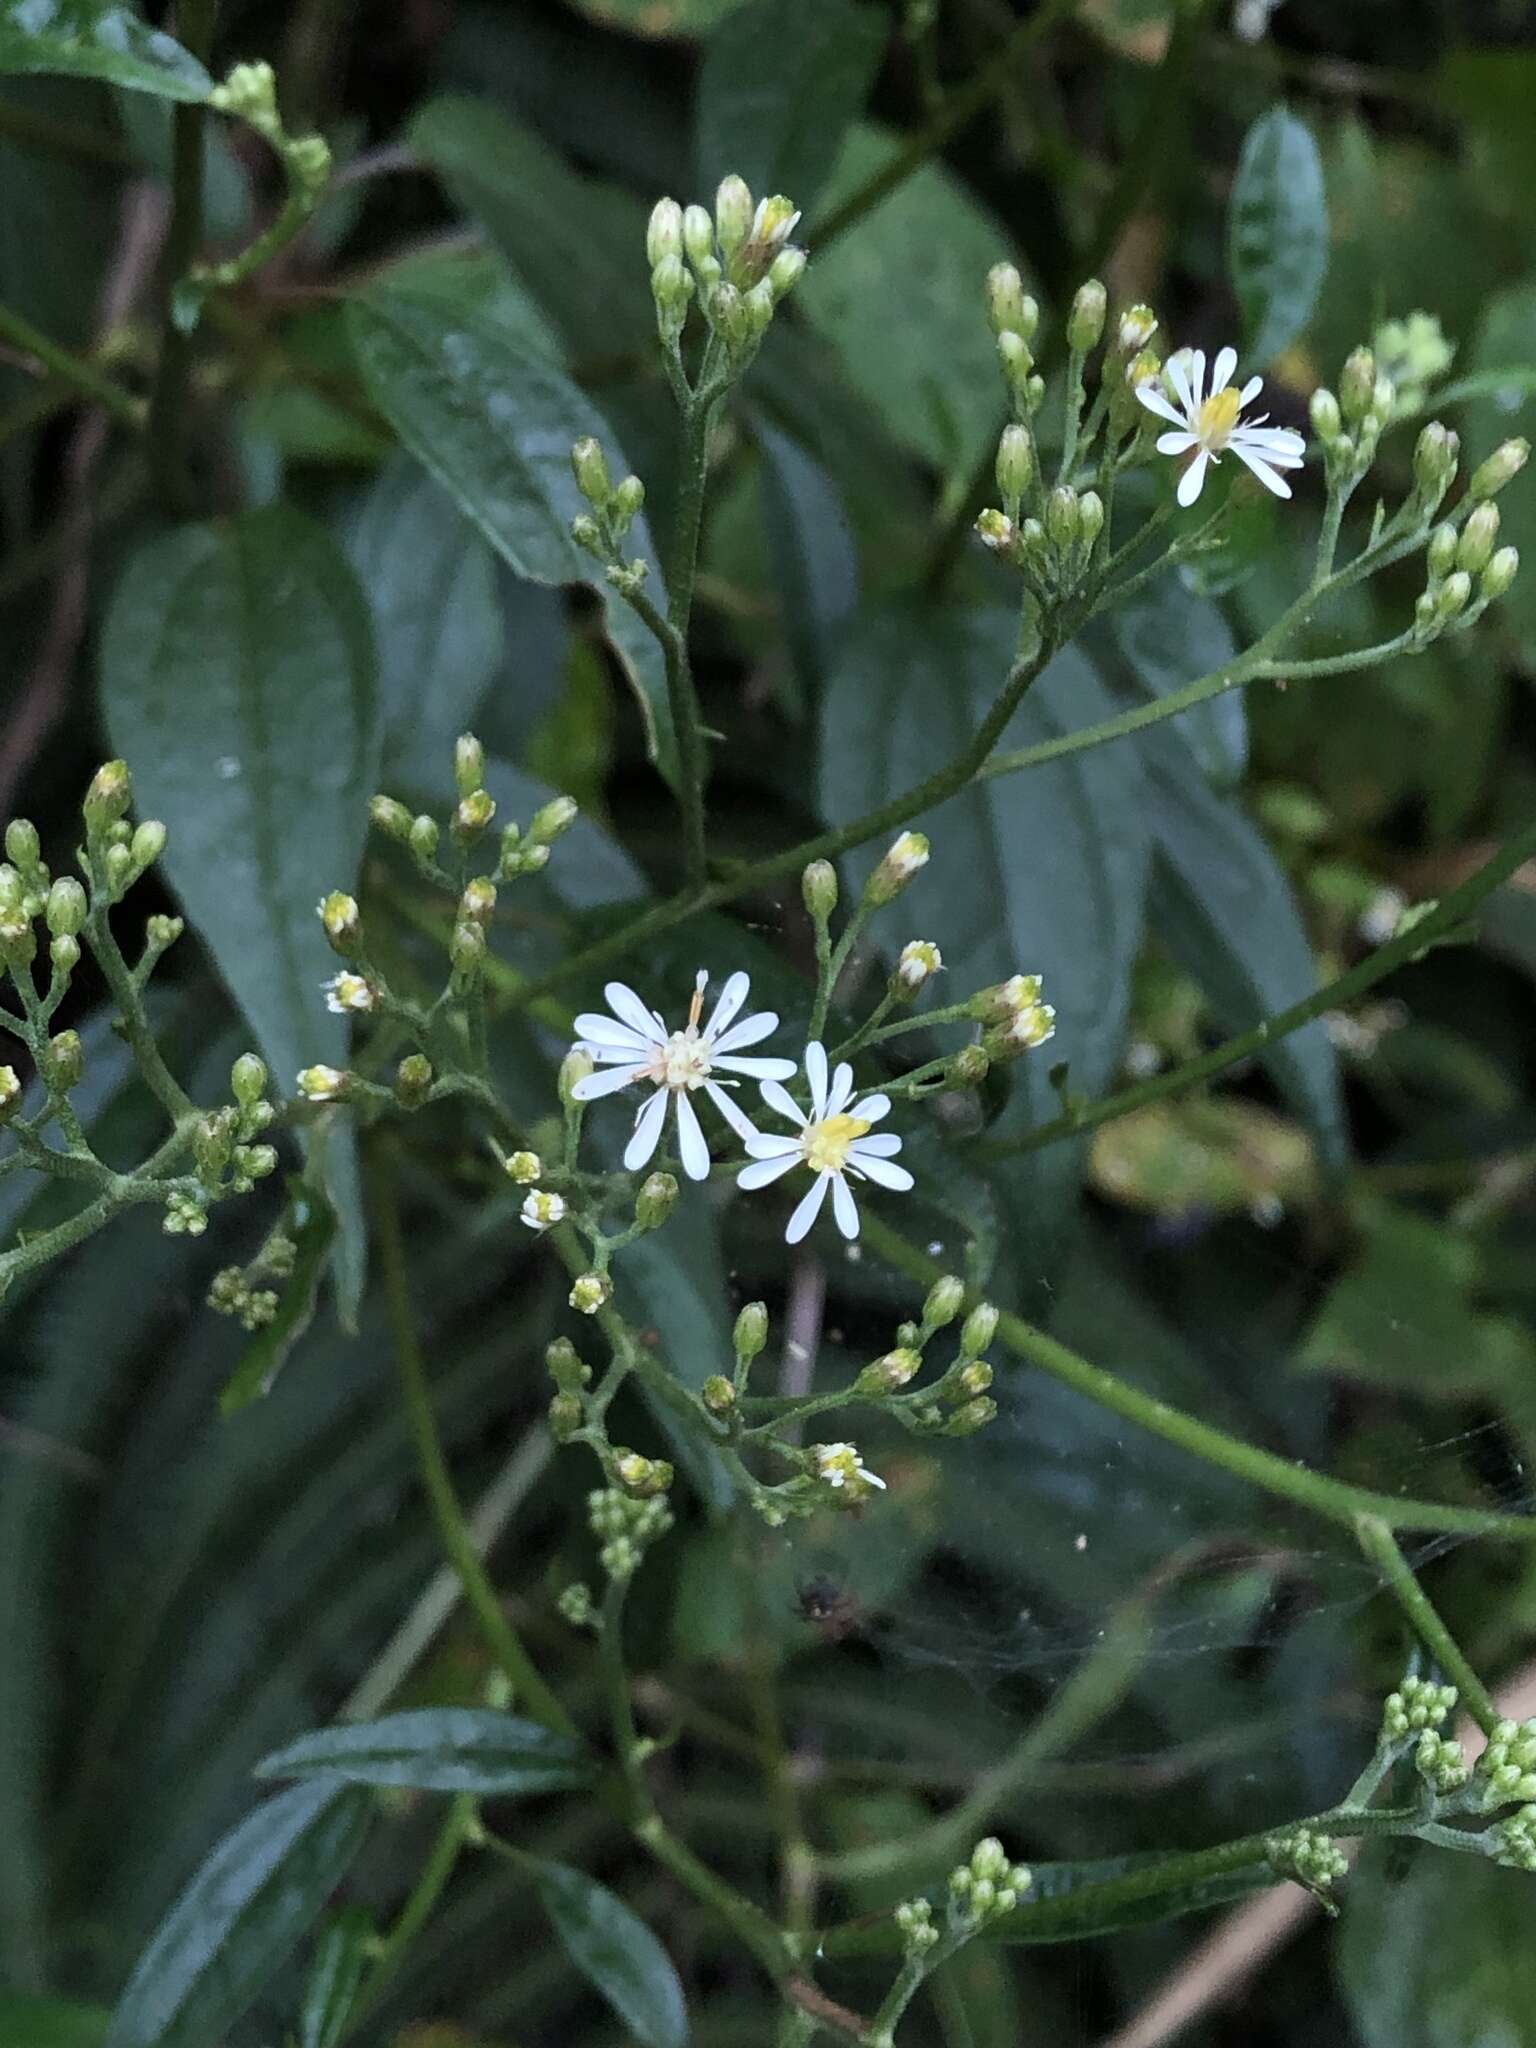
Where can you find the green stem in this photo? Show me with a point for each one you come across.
(501, 1639)
(457, 1826)
(1381, 1547)
(144, 1184)
(72, 369)
(168, 1091)
(195, 24)
(1333, 1499)
(1451, 911)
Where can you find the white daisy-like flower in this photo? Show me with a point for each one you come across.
(833, 1141)
(542, 1209)
(840, 1465)
(1211, 422)
(635, 1045)
(346, 994)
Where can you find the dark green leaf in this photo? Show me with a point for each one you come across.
(813, 553)
(616, 1952)
(237, 680)
(1277, 233)
(781, 81)
(1074, 1908)
(1437, 1956)
(98, 39)
(245, 1910)
(27, 2022)
(674, 1283)
(495, 426)
(312, 1222)
(1221, 906)
(335, 1977)
(1169, 636)
(437, 1749)
(1507, 334)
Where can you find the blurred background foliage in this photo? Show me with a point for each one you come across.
(1331, 1254)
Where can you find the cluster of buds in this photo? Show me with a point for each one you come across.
(571, 1375)
(1465, 571)
(1349, 424)
(1513, 1841)
(988, 1886)
(1440, 1762)
(1054, 547)
(1014, 318)
(958, 1403)
(627, 1518)
(1506, 1770)
(738, 261)
(576, 1605)
(914, 1920)
(603, 531)
(226, 1155)
(521, 853)
(1415, 354)
(1418, 1704)
(242, 1291)
(1307, 1858)
(1014, 1017)
(249, 93)
(117, 854)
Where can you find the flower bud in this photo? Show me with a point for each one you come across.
(565, 1365)
(590, 469)
(576, 1066)
(524, 1168)
(1478, 537)
(890, 1374)
(907, 854)
(1383, 399)
(1085, 323)
(1499, 574)
(945, 1300)
(1501, 467)
(542, 1210)
(1434, 460)
(699, 242)
(974, 1415)
(1440, 555)
(970, 1066)
(1453, 595)
(1090, 518)
(1008, 311)
(664, 231)
(642, 1478)
(478, 900)
(656, 1200)
(1014, 358)
(625, 505)
(1327, 421)
(1357, 384)
(978, 1329)
(974, 1378)
(733, 214)
(1137, 326)
(248, 1080)
(564, 1417)
(473, 813)
(12, 891)
(22, 843)
(324, 1084)
(424, 836)
(919, 960)
(1034, 394)
(343, 922)
(390, 817)
(785, 272)
(66, 1059)
(467, 950)
(118, 862)
(1061, 516)
(588, 535)
(162, 931)
(64, 953)
(671, 288)
(10, 1094)
(751, 1332)
(995, 530)
(66, 908)
(148, 843)
(469, 761)
(1015, 463)
(818, 889)
(413, 1080)
(717, 1394)
(108, 797)
(1143, 368)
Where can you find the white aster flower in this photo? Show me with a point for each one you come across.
(1211, 421)
(541, 1210)
(639, 1047)
(347, 993)
(834, 1142)
(840, 1465)
(324, 1084)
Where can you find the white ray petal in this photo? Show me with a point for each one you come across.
(872, 1108)
(844, 1207)
(1197, 378)
(624, 1003)
(593, 1086)
(1175, 372)
(620, 1055)
(1271, 479)
(646, 1132)
(839, 1093)
(764, 1145)
(690, 1140)
(1154, 401)
(748, 1032)
(1192, 479)
(756, 1069)
(780, 1099)
(808, 1210)
(731, 1110)
(596, 1029)
(762, 1172)
(816, 1074)
(1279, 444)
(1250, 391)
(884, 1173)
(1175, 444)
(878, 1145)
(732, 996)
(1221, 370)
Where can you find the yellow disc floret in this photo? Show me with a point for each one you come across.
(1216, 418)
(827, 1144)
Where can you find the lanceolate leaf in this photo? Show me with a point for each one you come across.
(1277, 233)
(617, 1952)
(237, 680)
(244, 1911)
(98, 39)
(335, 1978)
(495, 427)
(437, 1749)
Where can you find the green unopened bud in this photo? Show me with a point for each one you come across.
(1136, 328)
(818, 889)
(1478, 537)
(468, 764)
(656, 1200)
(1499, 574)
(1434, 460)
(751, 1332)
(785, 272)
(108, 797)
(118, 862)
(478, 901)
(641, 1478)
(590, 468)
(1085, 323)
(759, 303)
(66, 1059)
(625, 505)
(424, 837)
(978, 1330)
(565, 1417)
(248, 1080)
(473, 813)
(342, 921)
(717, 1394)
(525, 1168)
(66, 908)
(888, 1375)
(576, 1066)
(974, 1415)
(10, 1094)
(1014, 359)
(1015, 463)
(413, 1080)
(162, 931)
(390, 817)
(18, 941)
(1357, 384)
(12, 890)
(1143, 368)
(970, 1066)
(1090, 518)
(1383, 399)
(64, 953)
(1061, 516)
(1440, 555)
(467, 950)
(588, 535)
(974, 1378)
(1501, 467)
(1327, 420)
(1453, 595)
(699, 242)
(664, 231)
(671, 288)
(1008, 311)
(22, 844)
(945, 1300)
(733, 214)
(731, 318)
(565, 1364)
(906, 855)
(1033, 394)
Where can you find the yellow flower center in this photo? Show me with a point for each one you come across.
(683, 1062)
(826, 1145)
(1216, 419)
